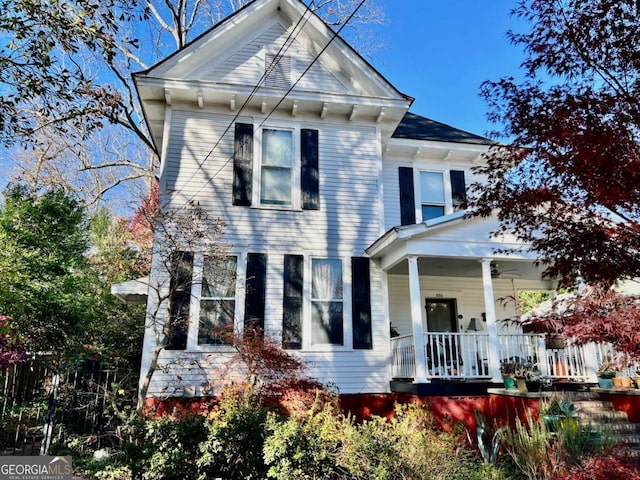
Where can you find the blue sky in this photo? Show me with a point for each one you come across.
(440, 51)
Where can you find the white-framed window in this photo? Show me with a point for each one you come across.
(438, 192)
(327, 302)
(278, 169)
(217, 300)
(432, 194)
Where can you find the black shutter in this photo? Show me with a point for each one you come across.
(243, 164)
(292, 302)
(179, 300)
(255, 292)
(407, 198)
(458, 190)
(361, 303)
(310, 174)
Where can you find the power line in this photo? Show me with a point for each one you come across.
(315, 59)
(335, 34)
(281, 51)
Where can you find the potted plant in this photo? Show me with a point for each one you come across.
(524, 370)
(532, 377)
(516, 374)
(508, 370)
(620, 381)
(605, 374)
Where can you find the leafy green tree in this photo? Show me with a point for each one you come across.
(116, 256)
(65, 71)
(44, 279)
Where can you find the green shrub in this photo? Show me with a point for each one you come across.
(170, 446)
(235, 438)
(538, 453)
(529, 448)
(305, 447)
(325, 444)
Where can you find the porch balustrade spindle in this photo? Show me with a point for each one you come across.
(450, 355)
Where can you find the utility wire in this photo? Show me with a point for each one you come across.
(315, 59)
(281, 52)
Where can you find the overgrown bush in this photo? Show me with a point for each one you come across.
(170, 445)
(529, 447)
(236, 431)
(326, 444)
(305, 447)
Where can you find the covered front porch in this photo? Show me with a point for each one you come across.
(453, 291)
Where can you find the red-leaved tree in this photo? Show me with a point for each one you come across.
(12, 348)
(567, 179)
(600, 315)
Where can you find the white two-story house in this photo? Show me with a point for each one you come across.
(344, 215)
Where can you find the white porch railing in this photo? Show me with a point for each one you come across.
(449, 355)
(465, 356)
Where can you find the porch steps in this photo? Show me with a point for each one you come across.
(613, 424)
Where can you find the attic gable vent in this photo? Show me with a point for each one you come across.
(278, 71)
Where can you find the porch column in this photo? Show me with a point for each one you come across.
(420, 375)
(492, 327)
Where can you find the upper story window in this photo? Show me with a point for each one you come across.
(428, 194)
(432, 201)
(285, 172)
(276, 172)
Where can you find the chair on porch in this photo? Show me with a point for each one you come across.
(443, 357)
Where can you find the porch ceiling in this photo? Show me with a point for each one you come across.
(459, 267)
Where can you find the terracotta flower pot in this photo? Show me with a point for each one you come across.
(622, 382)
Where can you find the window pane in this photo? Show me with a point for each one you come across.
(276, 186)
(326, 279)
(431, 211)
(219, 277)
(432, 187)
(277, 148)
(216, 322)
(326, 323)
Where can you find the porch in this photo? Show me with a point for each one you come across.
(474, 356)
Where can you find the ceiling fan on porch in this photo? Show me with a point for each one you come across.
(497, 272)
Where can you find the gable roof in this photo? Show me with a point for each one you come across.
(417, 127)
(189, 75)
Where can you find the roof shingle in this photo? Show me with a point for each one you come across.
(417, 127)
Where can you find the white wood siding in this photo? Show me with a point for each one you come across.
(350, 371)
(347, 223)
(391, 185)
(348, 217)
(246, 65)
